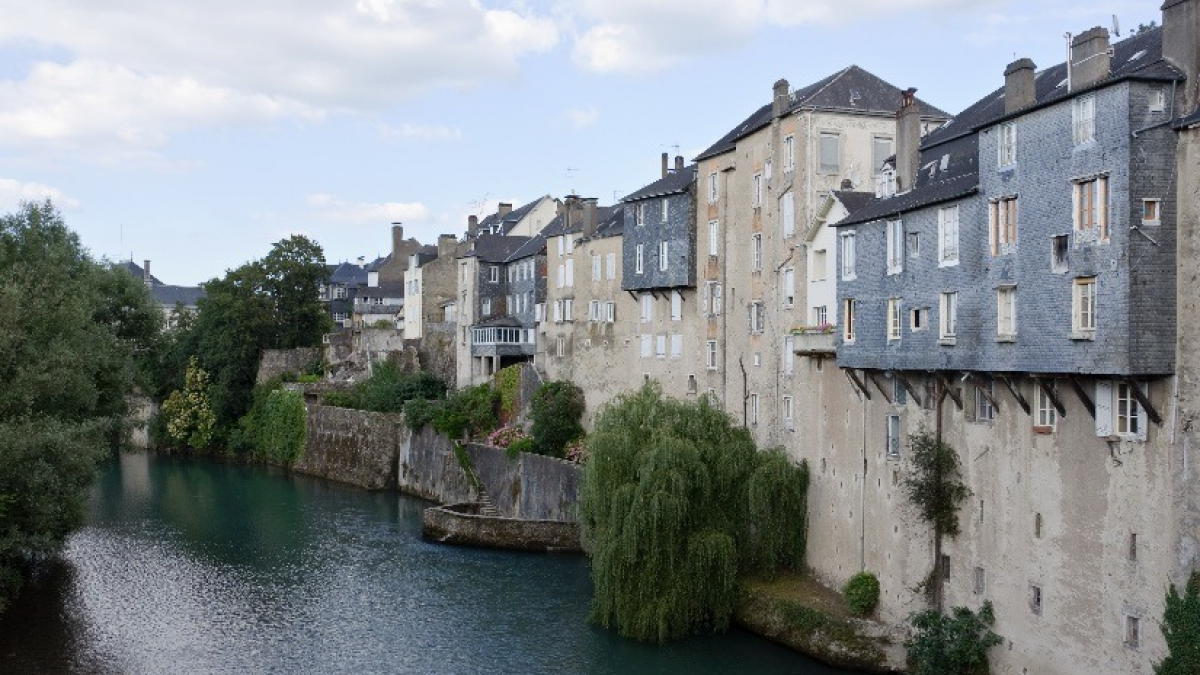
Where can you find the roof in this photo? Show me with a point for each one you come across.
(137, 271)
(851, 90)
(558, 225)
(534, 246)
(1136, 57)
(675, 182)
(348, 274)
(494, 248)
(170, 296)
(613, 226)
(509, 220)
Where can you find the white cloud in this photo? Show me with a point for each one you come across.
(13, 192)
(420, 132)
(583, 117)
(635, 36)
(328, 208)
(140, 72)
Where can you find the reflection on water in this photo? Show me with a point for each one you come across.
(198, 567)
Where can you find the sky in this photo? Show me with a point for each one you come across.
(196, 134)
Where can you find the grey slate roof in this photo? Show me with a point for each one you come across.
(613, 226)
(851, 90)
(508, 221)
(1136, 57)
(348, 274)
(558, 225)
(534, 246)
(494, 248)
(169, 296)
(137, 271)
(675, 182)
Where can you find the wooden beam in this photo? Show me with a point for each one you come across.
(858, 383)
(1144, 402)
(907, 387)
(949, 390)
(1083, 397)
(1016, 394)
(978, 383)
(1052, 395)
(874, 377)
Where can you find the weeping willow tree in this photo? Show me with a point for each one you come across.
(677, 503)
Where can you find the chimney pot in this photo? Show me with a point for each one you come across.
(780, 99)
(472, 225)
(1019, 88)
(908, 139)
(665, 164)
(1090, 60)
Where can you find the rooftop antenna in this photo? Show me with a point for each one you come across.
(616, 196)
(1116, 26)
(571, 176)
(477, 205)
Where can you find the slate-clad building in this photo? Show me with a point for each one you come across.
(659, 246)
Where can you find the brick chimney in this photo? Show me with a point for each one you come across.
(665, 164)
(1090, 60)
(1180, 45)
(504, 209)
(446, 244)
(590, 219)
(908, 140)
(1019, 89)
(472, 226)
(146, 278)
(780, 98)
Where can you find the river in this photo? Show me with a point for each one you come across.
(191, 566)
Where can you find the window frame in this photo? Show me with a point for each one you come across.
(1006, 313)
(895, 246)
(847, 256)
(639, 259)
(1083, 307)
(714, 233)
(895, 313)
(1083, 119)
(664, 261)
(1006, 145)
(836, 139)
(710, 354)
(948, 317)
(948, 236)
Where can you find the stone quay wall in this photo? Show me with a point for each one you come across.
(351, 446)
(463, 524)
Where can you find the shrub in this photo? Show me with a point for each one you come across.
(957, 644)
(274, 428)
(556, 410)
(508, 384)
(468, 412)
(517, 447)
(1181, 630)
(418, 412)
(387, 390)
(576, 451)
(862, 593)
(506, 436)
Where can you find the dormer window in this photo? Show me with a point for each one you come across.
(885, 183)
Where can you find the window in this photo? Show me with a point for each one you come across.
(756, 252)
(756, 190)
(847, 241)
(638, 257)
(1035, 599)
(914, 244)
(595, 267)
(710, 351)
(647, 308)
(1128, 413)
(948, 236)
(1006, 312)
(1133, 631)
(1133, 547)
(610, 264)
(895, 246)
(660, 346)
(494, 274)
(830, 153)
(647, 346)
(1058, 253)
(945, 567)
(948, 316)
(848, 319)
(820, 315)
(1002, 225)
(1083, 308)
(1118, 412)
(881, 149)
(753, 412)
(485, 306)
(1158, 100)
(561, 347)
(676, 345)
(789, 153)
(610, 312)
(918, 318)
(899, 393)
(1083, 119)
(717, 302)
(676, 306)
(568, 305)
(1091, 210)
(757, 317)
(712, 187)
(819, 263)
(1046, 417)
(787, 213)
(893, 437)
(639, 213)
(666, 209)
(789, 355)
(570, 271)
(893, 313)
(1150, 211)
(594, 311)
(984, 412)
(512, 274)
(1037, 526)
(767, 170)
(692, 385)
(713, 232)
(789, 287)
(979, 580)
(539, 312)
(562, 275)
(787, 413)
(663, 260)
(1007, 145)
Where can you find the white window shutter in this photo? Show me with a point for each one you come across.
(704, 300)
(1104, 408)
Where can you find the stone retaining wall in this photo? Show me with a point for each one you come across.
(351, 446)
(462, 524)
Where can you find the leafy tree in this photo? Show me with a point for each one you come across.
(556, 409)
(292, 276)
(666, 506)
(71, 332)
(934, 484)
(188, 411)
(957, 644)
(1181, 629)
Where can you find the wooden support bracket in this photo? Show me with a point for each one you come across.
(1052, 395)
(1083, 397)
(1144, 401)
(949, 391)
(978, 384)
(858, 383)
(873, 376)
(1016, 394)
(907, 387)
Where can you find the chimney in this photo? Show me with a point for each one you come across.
(397, 240)
(1180, 26)
(847, 184)
(472, 226)
(146, 278)
(665, 162)
(908, 140)
(678, 163)
(446, 245)
(781, 99)
(589, 216)
(1019, 89)
(504, 209)
(1090, 59)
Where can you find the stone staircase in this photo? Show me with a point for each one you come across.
(486, 507)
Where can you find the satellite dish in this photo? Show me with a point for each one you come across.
(1116, 26)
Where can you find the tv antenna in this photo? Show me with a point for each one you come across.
(1116, 26)
(477, 205)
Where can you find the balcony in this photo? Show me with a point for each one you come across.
(502, 341)
(813, 342)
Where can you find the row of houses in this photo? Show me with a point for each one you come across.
(851, 264)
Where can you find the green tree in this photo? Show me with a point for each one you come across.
(934, 485)
(556, 409)
(957, 644)
(71, 332)
(666, 508)
(292, 276)
(1181, 629)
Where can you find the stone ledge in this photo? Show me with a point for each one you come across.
(462, 524)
